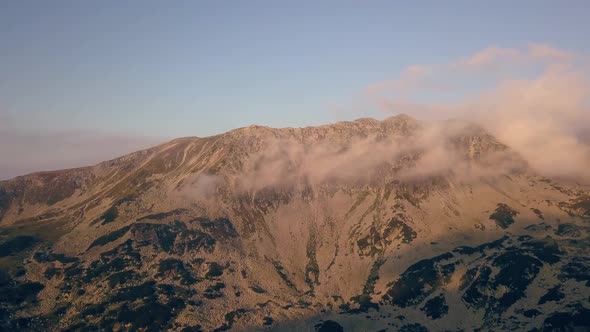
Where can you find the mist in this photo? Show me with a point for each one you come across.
(396, 149)
(26, 152)
(491, 113)
(535, 99)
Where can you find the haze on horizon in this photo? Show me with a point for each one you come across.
(84, 82)
(294, 166)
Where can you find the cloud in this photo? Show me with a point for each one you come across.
(201, 186)
(491, 57)
(26, 152)
(400, 149)
(412, 77)
(494, 57)
(540, 118)
(534, 98)
(547, 52)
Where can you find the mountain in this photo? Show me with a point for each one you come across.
(357, 226)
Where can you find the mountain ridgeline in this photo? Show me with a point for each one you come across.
(393, 225)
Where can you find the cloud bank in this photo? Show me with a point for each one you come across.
(387, 153)
(536, 99)
(532, 99)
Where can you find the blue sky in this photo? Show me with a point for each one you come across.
(164, 69)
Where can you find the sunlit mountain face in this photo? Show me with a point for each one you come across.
(393, 225)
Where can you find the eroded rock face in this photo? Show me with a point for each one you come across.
(178, 238)
(503, 215)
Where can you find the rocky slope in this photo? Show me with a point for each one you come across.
(357, 226)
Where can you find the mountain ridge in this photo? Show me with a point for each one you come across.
(362, 224)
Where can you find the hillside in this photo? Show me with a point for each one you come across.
(363, 226)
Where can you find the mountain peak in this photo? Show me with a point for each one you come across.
(397, 220)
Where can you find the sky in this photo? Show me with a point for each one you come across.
(84, 81)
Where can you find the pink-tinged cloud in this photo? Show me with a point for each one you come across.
(547, 52)
(411, 77)
(536, 100)
(491, 57)
(496, 57)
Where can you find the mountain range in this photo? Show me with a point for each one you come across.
(366, 225)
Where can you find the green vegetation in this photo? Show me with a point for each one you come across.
(5, 199)
(121, 278)
(369, 287)
(230, 319)
(14, 292)
(110, 215)
(50, 272)
(503, 215)
(163, 215)
(17, 244)
(436, 307)
(214, 291)
(569, 230)
(418, 281)
(110, 237)
(328, 326)
(214, 270)
(43, 257)
(379, 237)
(175, 269)
(582, 205)
(283, 274)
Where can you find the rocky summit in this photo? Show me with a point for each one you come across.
(393, 225)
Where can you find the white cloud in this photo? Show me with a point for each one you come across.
(536, 99)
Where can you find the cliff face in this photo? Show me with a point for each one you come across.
(366, 225)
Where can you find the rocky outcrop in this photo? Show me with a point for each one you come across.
(367, 225)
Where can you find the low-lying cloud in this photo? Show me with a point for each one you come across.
(425, 151)
(533, 99)
(536, 99)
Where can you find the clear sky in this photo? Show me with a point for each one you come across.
(164, 69)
